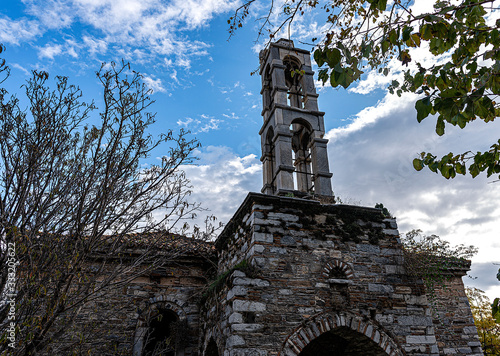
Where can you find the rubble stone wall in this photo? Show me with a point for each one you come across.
(312, 269)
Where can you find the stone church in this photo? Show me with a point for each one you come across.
(296, 274)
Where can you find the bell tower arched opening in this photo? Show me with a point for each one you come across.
(301, 144)
(293, 81)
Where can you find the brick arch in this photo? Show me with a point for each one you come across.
(325, 322)
(167, 302)
(344, 267)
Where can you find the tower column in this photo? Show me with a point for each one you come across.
(283, 166)
(320, 167)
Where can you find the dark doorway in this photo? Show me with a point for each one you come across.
(342, 342)
(159, 340)
(212, 349)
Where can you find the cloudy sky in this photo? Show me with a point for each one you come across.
(202, 82)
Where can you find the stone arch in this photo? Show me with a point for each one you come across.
(153, 305)
(324, 323)
(333, 265)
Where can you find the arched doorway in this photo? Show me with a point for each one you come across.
(342, 341)
(339, 334)
(160, 338)
(212, 349)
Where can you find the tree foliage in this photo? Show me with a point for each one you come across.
(462, 86)
(429, 257)
(76, 203)
(487, 329)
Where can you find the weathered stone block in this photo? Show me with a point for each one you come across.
(380, 288)
(283, 217)
(237, 290)
(262, 237)
(414, 320)
(421, 339)
(240, 281)
(247, 327)
(234, 340)
(248, 306)
(391, 232)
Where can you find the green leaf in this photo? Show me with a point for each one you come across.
(495, 309)
(418, 164)
(318, 57)
(382, 4)
(333, 57)
(323, 75)
(366, 49)
(426, 32)
(424, 108)
(445, 171)
(461, 120)
(474, 170)
(393, 37)
(460, 168)
(385, 46)
(406, 33)
(440, 126)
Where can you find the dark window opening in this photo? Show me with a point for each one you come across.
(337, 273)
(249, 317)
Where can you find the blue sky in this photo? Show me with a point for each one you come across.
(202, 82)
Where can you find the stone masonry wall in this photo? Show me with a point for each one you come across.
(454, 324)
(116, 322)
(316, 268)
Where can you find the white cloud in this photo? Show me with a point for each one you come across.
(232, 116)
(223, 179)
(185, 123)
(370, 115)
(95, 45)
(371, 159)
(153, 84)
(205, 124)
(212, 124)
(17, 31)
(50, 51)
(142, 30)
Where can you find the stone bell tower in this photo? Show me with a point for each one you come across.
(294, 151)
